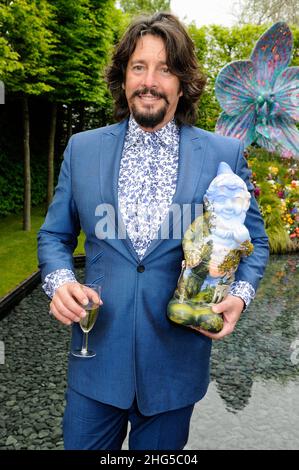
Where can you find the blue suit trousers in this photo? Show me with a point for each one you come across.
(91, 425)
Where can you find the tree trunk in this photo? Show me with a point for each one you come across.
(51, 152)
(27, 173)
(69, 121)
(81, 117)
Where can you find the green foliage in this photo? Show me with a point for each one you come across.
(135, 7)
(278, 197)
(199, 38)
(84, 35)
(119, 21)
(295, 32)
(12, 184)
(26, 37)
(8, 58)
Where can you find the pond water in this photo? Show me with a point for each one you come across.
(252, 401)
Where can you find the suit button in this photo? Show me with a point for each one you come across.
(140, 268)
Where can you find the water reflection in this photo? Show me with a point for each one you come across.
(261, 347)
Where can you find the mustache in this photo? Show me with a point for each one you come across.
(150, 91)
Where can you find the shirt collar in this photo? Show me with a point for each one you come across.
(167, 136)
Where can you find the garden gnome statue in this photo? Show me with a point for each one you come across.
(213, 245)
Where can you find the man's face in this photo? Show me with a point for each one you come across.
(152, 91)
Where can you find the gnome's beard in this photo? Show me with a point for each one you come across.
(226, 235)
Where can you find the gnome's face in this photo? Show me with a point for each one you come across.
(229, 206)
(227, 196)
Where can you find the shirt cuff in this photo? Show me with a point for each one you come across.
(57, 279)
(244, 290)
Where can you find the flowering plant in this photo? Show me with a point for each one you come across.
(276, 183)
(260, 96)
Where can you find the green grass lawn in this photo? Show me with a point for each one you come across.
(18, 249)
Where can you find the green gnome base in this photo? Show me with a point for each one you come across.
(190, 314)
(213, 246)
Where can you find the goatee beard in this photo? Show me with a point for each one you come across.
(149, 120)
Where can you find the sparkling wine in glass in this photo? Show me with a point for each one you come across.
(87, 323)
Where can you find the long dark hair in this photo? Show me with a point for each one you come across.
(181, 60)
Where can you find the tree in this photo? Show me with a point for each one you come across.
(134, 7)
(266, 11)
(8, 58)
(84, 35)
(24, 30)
(8, 61)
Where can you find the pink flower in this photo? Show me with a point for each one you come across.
(280, 194)
(286, 154)
(257, 191)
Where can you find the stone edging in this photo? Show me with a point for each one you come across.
(13, 297)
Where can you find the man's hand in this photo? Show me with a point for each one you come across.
(68, 300)
(231, 308)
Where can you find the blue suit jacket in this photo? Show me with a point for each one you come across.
(138, 350)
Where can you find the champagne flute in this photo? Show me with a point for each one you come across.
(87, 323)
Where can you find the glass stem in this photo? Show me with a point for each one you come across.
(85, 343)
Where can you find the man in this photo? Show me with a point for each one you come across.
(147, 370)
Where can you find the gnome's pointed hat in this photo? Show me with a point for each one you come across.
(227, 184)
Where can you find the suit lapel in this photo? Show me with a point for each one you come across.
(191, 163)
(111, 148)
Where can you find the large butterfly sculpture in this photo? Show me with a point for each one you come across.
(260, 96)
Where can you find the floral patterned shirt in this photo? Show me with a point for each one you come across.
(147, 181)
(146, 185)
